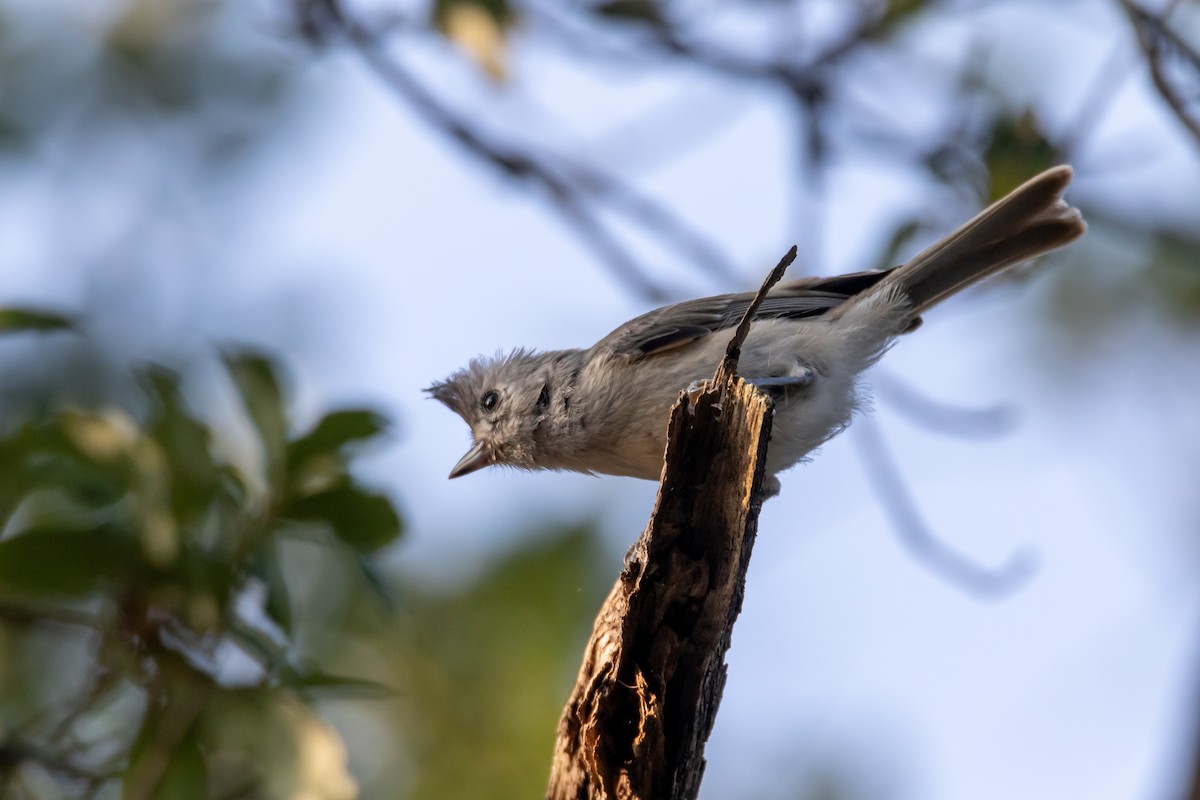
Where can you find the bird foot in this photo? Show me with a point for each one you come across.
(801, 380)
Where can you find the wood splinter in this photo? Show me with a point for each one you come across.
(653, 671)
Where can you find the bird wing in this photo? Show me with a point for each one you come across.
(679, 325)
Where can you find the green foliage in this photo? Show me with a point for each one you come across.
(129, 541)
(1017, 149)
(643, 11)
(498, 10)
(19, 319)
(487, 668)
(262, 396)
(898, 12)
(1174, 273)
(363, 520)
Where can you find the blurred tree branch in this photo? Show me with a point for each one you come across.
(887, 481)
(1162, 45)
(578, 193)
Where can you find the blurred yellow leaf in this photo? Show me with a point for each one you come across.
(272, 741)
(897, 12)
(102, 437)
(478, 33)
(321, 759)
(150, 22)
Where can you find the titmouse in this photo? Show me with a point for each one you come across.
(605, 409)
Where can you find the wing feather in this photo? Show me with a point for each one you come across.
(682, 324)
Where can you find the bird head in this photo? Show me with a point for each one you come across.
(507, 401)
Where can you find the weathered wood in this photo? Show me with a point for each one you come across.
(647, 693)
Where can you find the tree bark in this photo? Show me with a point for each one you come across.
(653, 671)
(644, 703)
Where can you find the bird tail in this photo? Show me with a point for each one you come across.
(1031, 220)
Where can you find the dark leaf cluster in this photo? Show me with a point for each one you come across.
(152, 570)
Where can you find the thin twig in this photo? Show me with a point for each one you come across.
(1153, 33)
(940, 417)
(1097, 101)
(575, 189)
(31, 615)
(609, 248)
(728, 366)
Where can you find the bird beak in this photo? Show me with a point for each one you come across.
(477, 457)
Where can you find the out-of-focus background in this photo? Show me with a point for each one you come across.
(237, 239)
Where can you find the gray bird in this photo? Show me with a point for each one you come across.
(605, 409)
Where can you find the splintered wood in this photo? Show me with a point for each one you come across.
(653, 671)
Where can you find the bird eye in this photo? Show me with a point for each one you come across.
(543, 401)
(490, 400)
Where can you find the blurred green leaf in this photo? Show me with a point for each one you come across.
(186, 776)
(315, 682)
(203, 573)
(630, 10)
(15, 320)
(70, 563)
(499, 10)
(259, 644)
(271, 746)
(520, 627)
(335, 431)
(88, 495)
(1017, 150)
(186, 442)
(379, 588)
(1174, 272)
(897, 12)
(278, 602)
(258, 386)
(164, 751)
(363, 520)
(43, 456)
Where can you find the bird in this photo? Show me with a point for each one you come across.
(604, 409)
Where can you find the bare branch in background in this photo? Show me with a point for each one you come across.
(939, 417)
(578, 193)
(802, 74)
(888, 483)
(1163, 47)
(1097, 101)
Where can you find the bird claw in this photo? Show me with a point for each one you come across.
(803, 380)
(769, 488)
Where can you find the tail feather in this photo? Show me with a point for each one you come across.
(1031, 220)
